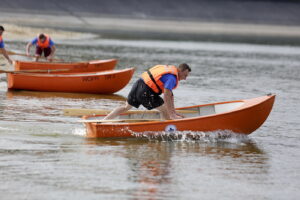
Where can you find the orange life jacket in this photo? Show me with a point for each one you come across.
(44, 44)
(1, 38)
(151, 77)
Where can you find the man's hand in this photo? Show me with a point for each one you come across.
(176, 116)
(180, 115)
(10, 61)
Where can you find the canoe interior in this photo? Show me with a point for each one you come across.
(77, 74)
(204, 110)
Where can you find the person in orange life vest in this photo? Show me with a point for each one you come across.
(155, 81)
(43, 44)
(2, 46)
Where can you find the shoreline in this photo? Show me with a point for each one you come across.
(132, 28)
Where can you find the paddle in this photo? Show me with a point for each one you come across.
(118, 120)
(80, 111)
(23, 54)
(35, 70)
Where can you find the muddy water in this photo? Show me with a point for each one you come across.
(44, 155)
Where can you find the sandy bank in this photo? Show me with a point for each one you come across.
(15, 32)
(283, 12)
(271, 21)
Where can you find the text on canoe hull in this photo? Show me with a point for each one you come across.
(94, 78)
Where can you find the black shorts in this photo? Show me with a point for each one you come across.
(142, 94)
(39, 51)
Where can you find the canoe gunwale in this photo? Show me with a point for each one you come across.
(77, 74)
(66, 63)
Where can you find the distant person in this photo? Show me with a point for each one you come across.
(147, 90)
(2, 46)
(44, 44)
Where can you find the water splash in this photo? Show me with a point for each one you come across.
(210, 137)
(79, 131)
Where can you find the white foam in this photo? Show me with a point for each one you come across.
(79, 131)
(211, 136)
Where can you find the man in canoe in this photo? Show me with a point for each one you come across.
(44, 44)
(2, 46)
(147, 90)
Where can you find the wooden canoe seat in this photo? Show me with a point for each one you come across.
(207, 110)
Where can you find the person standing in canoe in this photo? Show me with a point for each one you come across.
(2, 46)
(44, 44)
(147, 90)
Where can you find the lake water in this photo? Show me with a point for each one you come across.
(44, 155)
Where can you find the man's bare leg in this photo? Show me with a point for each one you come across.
(117, 111)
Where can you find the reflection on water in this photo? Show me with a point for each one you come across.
(154, 166)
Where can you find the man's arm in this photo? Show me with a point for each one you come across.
(29, 44)
(176, 113)
(169, 103)
(3, 51)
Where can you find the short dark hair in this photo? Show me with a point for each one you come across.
(1, 28)
(42, 36)
(184, 66)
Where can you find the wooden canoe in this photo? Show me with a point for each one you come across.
(106, 82)
(243, 117)
(90, 66)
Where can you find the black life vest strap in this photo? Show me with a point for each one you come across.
(159, 89)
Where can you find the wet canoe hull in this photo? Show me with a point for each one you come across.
(106, 82)
(244, 120)
(91, 66)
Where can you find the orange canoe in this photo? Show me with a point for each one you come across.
(105, 82)
(91, 66)
(243, 116)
